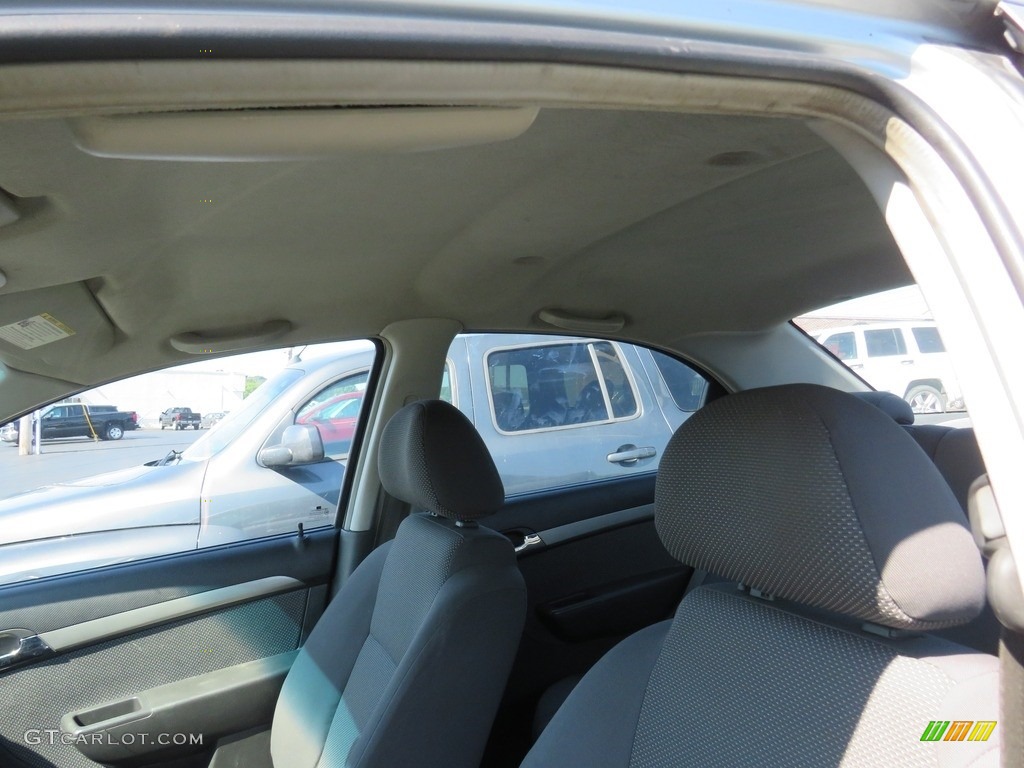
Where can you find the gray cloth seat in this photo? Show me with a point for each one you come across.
(824, 657)
(407, 665)
(955, 453)
(953, 450)
(892, 405)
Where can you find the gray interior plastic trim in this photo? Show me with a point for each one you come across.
(209, 706)
(592, 525)
(95, 630)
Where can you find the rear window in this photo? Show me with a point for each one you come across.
(928, 340)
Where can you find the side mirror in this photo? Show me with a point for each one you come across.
(300, 444)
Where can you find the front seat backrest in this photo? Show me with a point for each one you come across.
(849, 548)
(408, 663)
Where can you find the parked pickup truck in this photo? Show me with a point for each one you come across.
(180, 418)
(77, 420)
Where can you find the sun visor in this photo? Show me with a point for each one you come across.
(53, 331)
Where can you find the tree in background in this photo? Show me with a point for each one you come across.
(251, 384)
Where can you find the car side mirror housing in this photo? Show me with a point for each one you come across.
(300, 444)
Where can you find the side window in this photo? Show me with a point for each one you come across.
(150, 491)
(558, 386)
(893, 324)
(334, 411)
(687, 387)
(447, 390)
(885, 342)
(842, 345)
(559, 411)
(928, 340)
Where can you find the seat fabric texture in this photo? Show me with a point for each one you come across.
(955, 453)
(408, 663)
(822, 657)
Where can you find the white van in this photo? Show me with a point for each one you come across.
(905, 358)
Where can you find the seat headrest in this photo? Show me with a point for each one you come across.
(432, 457)
(894, 406)
(812, 495)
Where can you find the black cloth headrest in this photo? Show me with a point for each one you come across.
(432, 457)
(812, 495)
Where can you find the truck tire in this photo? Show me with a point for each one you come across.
(162, 425)
(926, 399)
(113, 431)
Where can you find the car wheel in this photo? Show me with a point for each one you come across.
(926, 399)
(114, 432)
(163, 426)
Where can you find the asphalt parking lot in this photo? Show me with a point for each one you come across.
(72, 458)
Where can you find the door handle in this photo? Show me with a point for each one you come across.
(629, 454)
(18, 646)
(906, 362)
(523, 539)
(529, 540)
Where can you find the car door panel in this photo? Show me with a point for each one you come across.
(597, 573)
(198, 643)
(216, 704)
(578, 591)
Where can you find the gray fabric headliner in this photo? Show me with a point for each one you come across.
(615, 211)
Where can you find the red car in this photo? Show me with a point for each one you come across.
(335, 419)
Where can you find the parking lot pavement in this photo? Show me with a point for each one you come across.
(74, 458)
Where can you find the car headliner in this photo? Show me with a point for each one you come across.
(677, 224)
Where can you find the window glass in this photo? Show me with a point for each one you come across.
(617, 385)
(904, 353)
(558, 411)
(235, 423)
(116, 487)
(556, 385)
(334, 411)
(884, 342)
(686, 386)
(928, 340)
(446, 383)
(842, 345)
